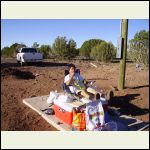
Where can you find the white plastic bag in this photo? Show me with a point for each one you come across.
(65, 98)
(53, 95)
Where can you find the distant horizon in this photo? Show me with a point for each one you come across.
(45, 31)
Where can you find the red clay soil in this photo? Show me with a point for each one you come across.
(18, 83)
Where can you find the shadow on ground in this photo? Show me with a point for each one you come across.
(17, 73)
(138, 87)
(125, 123)
(125, 107)
(43, 64)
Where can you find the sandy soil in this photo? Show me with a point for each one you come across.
(18, 83)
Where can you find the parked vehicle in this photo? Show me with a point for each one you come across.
(25, 55)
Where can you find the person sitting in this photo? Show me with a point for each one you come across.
(78, 85)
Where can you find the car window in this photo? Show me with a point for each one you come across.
(29, 50)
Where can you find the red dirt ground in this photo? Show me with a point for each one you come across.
(18, 83)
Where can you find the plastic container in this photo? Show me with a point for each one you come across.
(63, 111)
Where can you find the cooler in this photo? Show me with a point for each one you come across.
(63, 111)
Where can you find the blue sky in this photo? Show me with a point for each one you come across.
(28, 31)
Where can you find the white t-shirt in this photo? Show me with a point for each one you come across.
(76, 77)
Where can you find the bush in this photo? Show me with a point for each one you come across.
(46, 50)
(5, 52)
(139, 48)
(87, 46)
(11, 51)
(103, 52)
(63, 48)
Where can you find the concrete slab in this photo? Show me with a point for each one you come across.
(124, 123)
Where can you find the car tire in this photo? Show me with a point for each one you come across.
(18, 62)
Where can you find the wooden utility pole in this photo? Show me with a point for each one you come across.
(124, 33)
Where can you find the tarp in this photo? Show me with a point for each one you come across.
(124, 123)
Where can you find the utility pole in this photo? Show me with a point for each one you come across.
(124, 33)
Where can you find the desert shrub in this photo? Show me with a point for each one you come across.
(138, 48)
(87, 46)
(103, 52)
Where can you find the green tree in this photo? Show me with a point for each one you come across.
(63, 48)
(72, 48)
(5, 52)
(46, 50)
(138, 48)
(11, 51)
(87, 46)
(103, 51)
(60, 46)
(18, 46)
(35, 45)
(77, 52)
